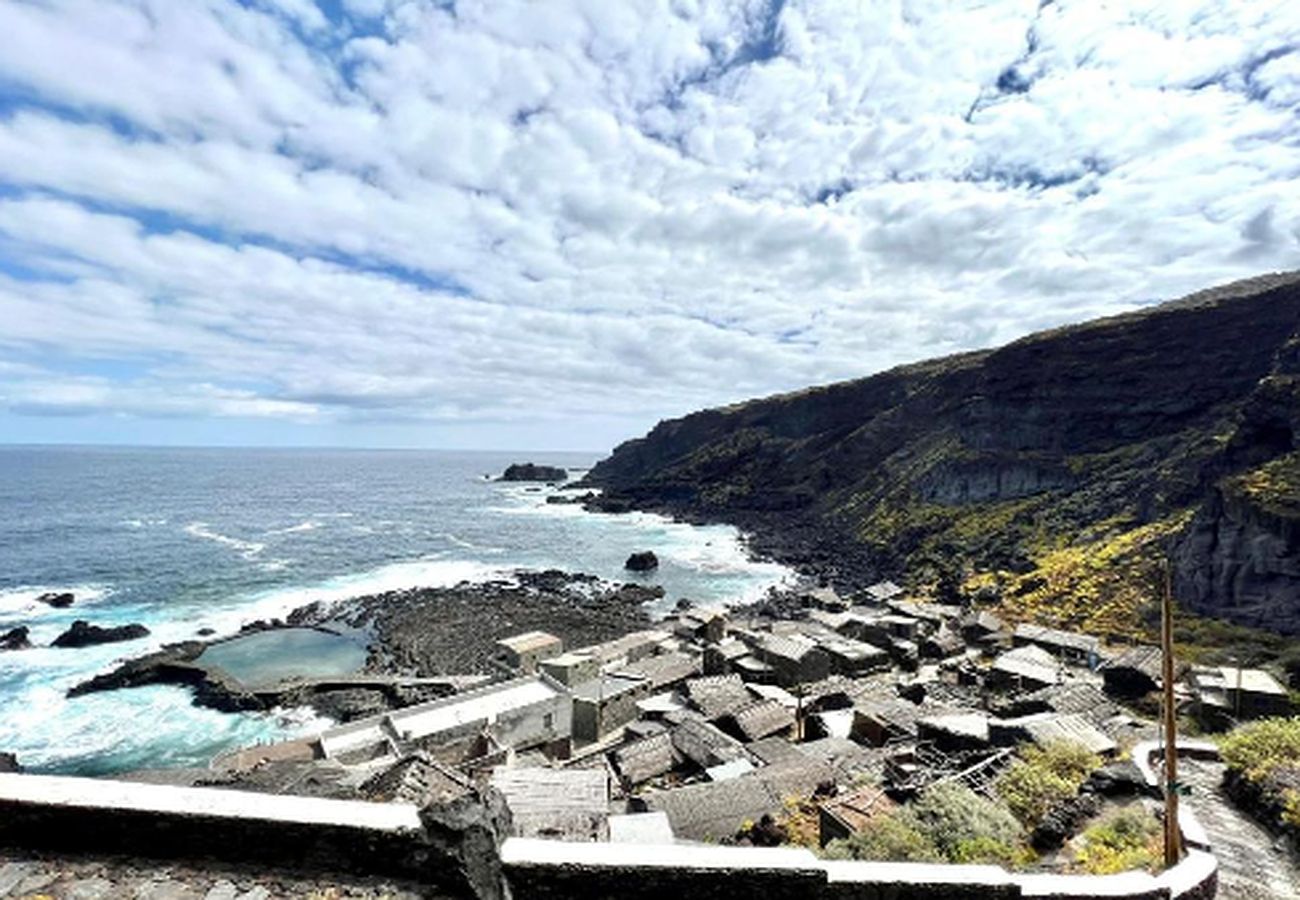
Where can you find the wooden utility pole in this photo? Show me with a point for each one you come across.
(1173, 838)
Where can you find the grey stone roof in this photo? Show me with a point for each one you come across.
(648, 758)
(664, 669)
(706, 745)
(717, 695)
(762, 718)
(1053, 637)
(557, 803)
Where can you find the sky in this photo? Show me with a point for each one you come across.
(548, 225)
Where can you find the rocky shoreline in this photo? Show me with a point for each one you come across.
(417, 633)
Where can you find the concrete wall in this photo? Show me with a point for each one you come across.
(453, 846)
(84, 814)
(549, 870)
(540, 723)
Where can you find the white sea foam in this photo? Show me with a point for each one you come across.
(43, 727)
(276, 603)
(22, 599)
(246, 549)
(458, 541)
(143, 523)
(308, 525)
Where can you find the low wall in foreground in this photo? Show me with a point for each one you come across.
(551, 870)
(455, 847)
(95, 815)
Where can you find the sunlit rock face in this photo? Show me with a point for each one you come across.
(1121, 441)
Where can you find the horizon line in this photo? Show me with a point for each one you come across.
(394, 449)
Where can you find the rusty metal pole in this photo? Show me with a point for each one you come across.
(1173, 842)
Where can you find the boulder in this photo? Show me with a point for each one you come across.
(57, 599)
(533, 472)
(9, 763)
(1118, 779)
(15, 639)
(1063, 820)
(645, 561)
(83, 634)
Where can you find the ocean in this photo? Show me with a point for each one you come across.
(187, 539)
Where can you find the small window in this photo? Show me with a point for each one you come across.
(548, 720)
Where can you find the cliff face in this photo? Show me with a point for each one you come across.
(1057, 469)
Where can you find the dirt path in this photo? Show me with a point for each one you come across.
(1253, 864)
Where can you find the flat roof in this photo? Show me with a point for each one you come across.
(460, 709)
(529, 640)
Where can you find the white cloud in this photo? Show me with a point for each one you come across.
(583, 210)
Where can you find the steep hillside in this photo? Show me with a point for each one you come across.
(1057, 471)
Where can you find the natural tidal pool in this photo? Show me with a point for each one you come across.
(269, 656)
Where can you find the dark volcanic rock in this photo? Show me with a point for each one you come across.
(57, 599)
(984, 457)
(83, 634)
(9, 763)
(644, 561)
(176, 665)
(1118, 779)
(533, 472)
(1063, 820)
(560, 499)
(422, 632)
(16, 639)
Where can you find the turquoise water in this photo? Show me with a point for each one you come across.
(188, 539)
(265, 657)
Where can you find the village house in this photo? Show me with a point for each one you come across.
(846, 814)
(1024, 668)
(650, 757)
(754, 670)
(980, 627)
(1134, 673)
(606, 703)
(706, 745)
(1238, 693)
(664, 670)
(943, 643)
(629, 648)
(720, 658)
(709, 812)
(557, 804)
(522, 652)
(825, 598)
(525, 712)
(704, 627)
(795, 659)
(852, 658)
(882, 592)
(1048, 728)
(759, 719)
(717, 695)
(571, 669)
(1068, 646)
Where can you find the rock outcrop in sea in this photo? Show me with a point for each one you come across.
(644, 561)
(1057, 472)
(533, 472)
(83, 634)
(16, 639)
